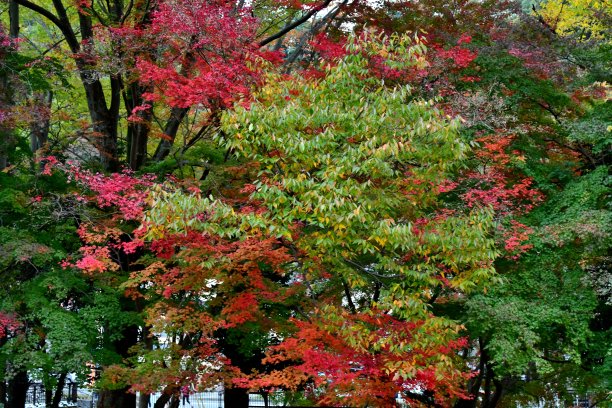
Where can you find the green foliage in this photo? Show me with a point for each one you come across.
(593, 129)
(66, 319)
(581, 211)
(347, 157)
(543, 325)
(36, 74)
(346, 172)
(349, 174)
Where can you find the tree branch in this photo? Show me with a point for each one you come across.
(347, 293)
(295, 24)
(40, 10)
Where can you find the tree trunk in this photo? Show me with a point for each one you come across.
(14, 19)
(499, 389)
(166, 395)
(266, 398)
(17, 390)
(117, 399)
(121, 398)
(236, 397)
(175, 401)
(39, 129)
(61, 381)
(475, 383)
(176, 117)
(7, 136)
(465, 403)
(144, 401)
(48, 396)
(138, 131)
(2, 376)
(3, 393)
(104, 121)
(171, 129)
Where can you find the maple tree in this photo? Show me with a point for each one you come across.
(200, 54)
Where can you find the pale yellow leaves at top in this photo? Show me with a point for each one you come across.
(584, 19)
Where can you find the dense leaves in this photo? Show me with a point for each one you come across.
(353, 203)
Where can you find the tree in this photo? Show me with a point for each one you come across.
(124, 51)
(335, 198)
(541, 330)
(355, 205)
(583, 20)
(57, 320)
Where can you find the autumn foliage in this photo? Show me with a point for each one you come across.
(347, 203)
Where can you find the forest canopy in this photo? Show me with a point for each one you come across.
(345, 203)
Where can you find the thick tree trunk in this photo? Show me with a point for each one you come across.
(39, 129)
(144, 401)
(167, 394)
(487, 387)
(499, 389)
(104, 120)
(48, 396)
(176, 117)
(3, 384)
(121, 398)
(7, 142)
(475, 383)
(266, 398)
(3, 393)
(465, 403)
(236, 397)
(117, 399)
(175, 401)
(17, 390)
(7, 136)
(138, 131)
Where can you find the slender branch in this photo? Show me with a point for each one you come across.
(295, 24)
(554, 360)
(577, 149)
(127, 11)
(365, 270)
(347, 293)
(424, 398)
(51, 47)
(604, 399)
(542, 21)
(435, 296)
(272, 24)
(312, 32)
(98, 16)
